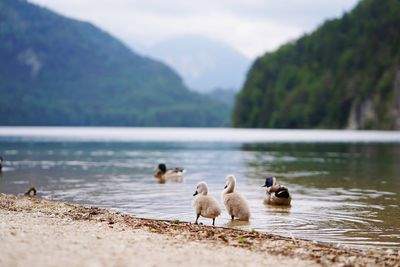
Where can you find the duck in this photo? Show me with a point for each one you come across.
(163, 174)
(31, 191)
(1, 163)
(234, 202)
(205, 205)
(276, 194)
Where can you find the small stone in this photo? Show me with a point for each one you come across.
(389, 251)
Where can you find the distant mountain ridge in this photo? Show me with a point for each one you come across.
(346, 74)
(59, 71)
(204, 64)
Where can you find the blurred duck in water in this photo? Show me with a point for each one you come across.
(163, 174)
(276, 194)
(1, 163)
(30, 192)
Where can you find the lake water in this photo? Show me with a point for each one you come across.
(345, 184)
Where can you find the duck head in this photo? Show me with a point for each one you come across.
(269, 181)
(230, 183)
(201, 189)
(161, 168)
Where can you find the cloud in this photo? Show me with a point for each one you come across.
(250, 26)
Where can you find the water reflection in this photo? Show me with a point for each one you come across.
(344, 193)
(348, 191)
(277, 210)
(237, 224)
(174, 180)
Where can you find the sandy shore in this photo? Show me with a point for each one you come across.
(37, 232)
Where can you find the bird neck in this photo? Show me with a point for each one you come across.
(231, 187)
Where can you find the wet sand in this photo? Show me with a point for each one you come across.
(37, 232)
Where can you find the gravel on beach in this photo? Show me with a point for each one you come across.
(39, 232)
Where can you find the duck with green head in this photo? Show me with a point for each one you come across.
(163, 174)
(276, 194)
(1, 163)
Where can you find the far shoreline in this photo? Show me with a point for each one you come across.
(195, 134)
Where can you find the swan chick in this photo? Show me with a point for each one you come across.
(205, 205)
(234, 202)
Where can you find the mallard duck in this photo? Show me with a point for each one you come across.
(1, 163)
(30, 192)
(276, 194)
(163, 174)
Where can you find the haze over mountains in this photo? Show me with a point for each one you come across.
(204, 64)
(59, 71)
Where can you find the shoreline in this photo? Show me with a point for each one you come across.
(160, 243)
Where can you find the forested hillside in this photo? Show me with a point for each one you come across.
(59, 71)
(346, 74)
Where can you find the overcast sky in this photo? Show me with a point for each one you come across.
(250, 26)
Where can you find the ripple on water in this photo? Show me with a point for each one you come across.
(332, 201)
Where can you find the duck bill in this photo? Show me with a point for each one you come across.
(225, 186)
(195, 193)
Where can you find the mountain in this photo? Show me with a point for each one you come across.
(204, 64)
(346, 74)
(226, 96)
(59, 71)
